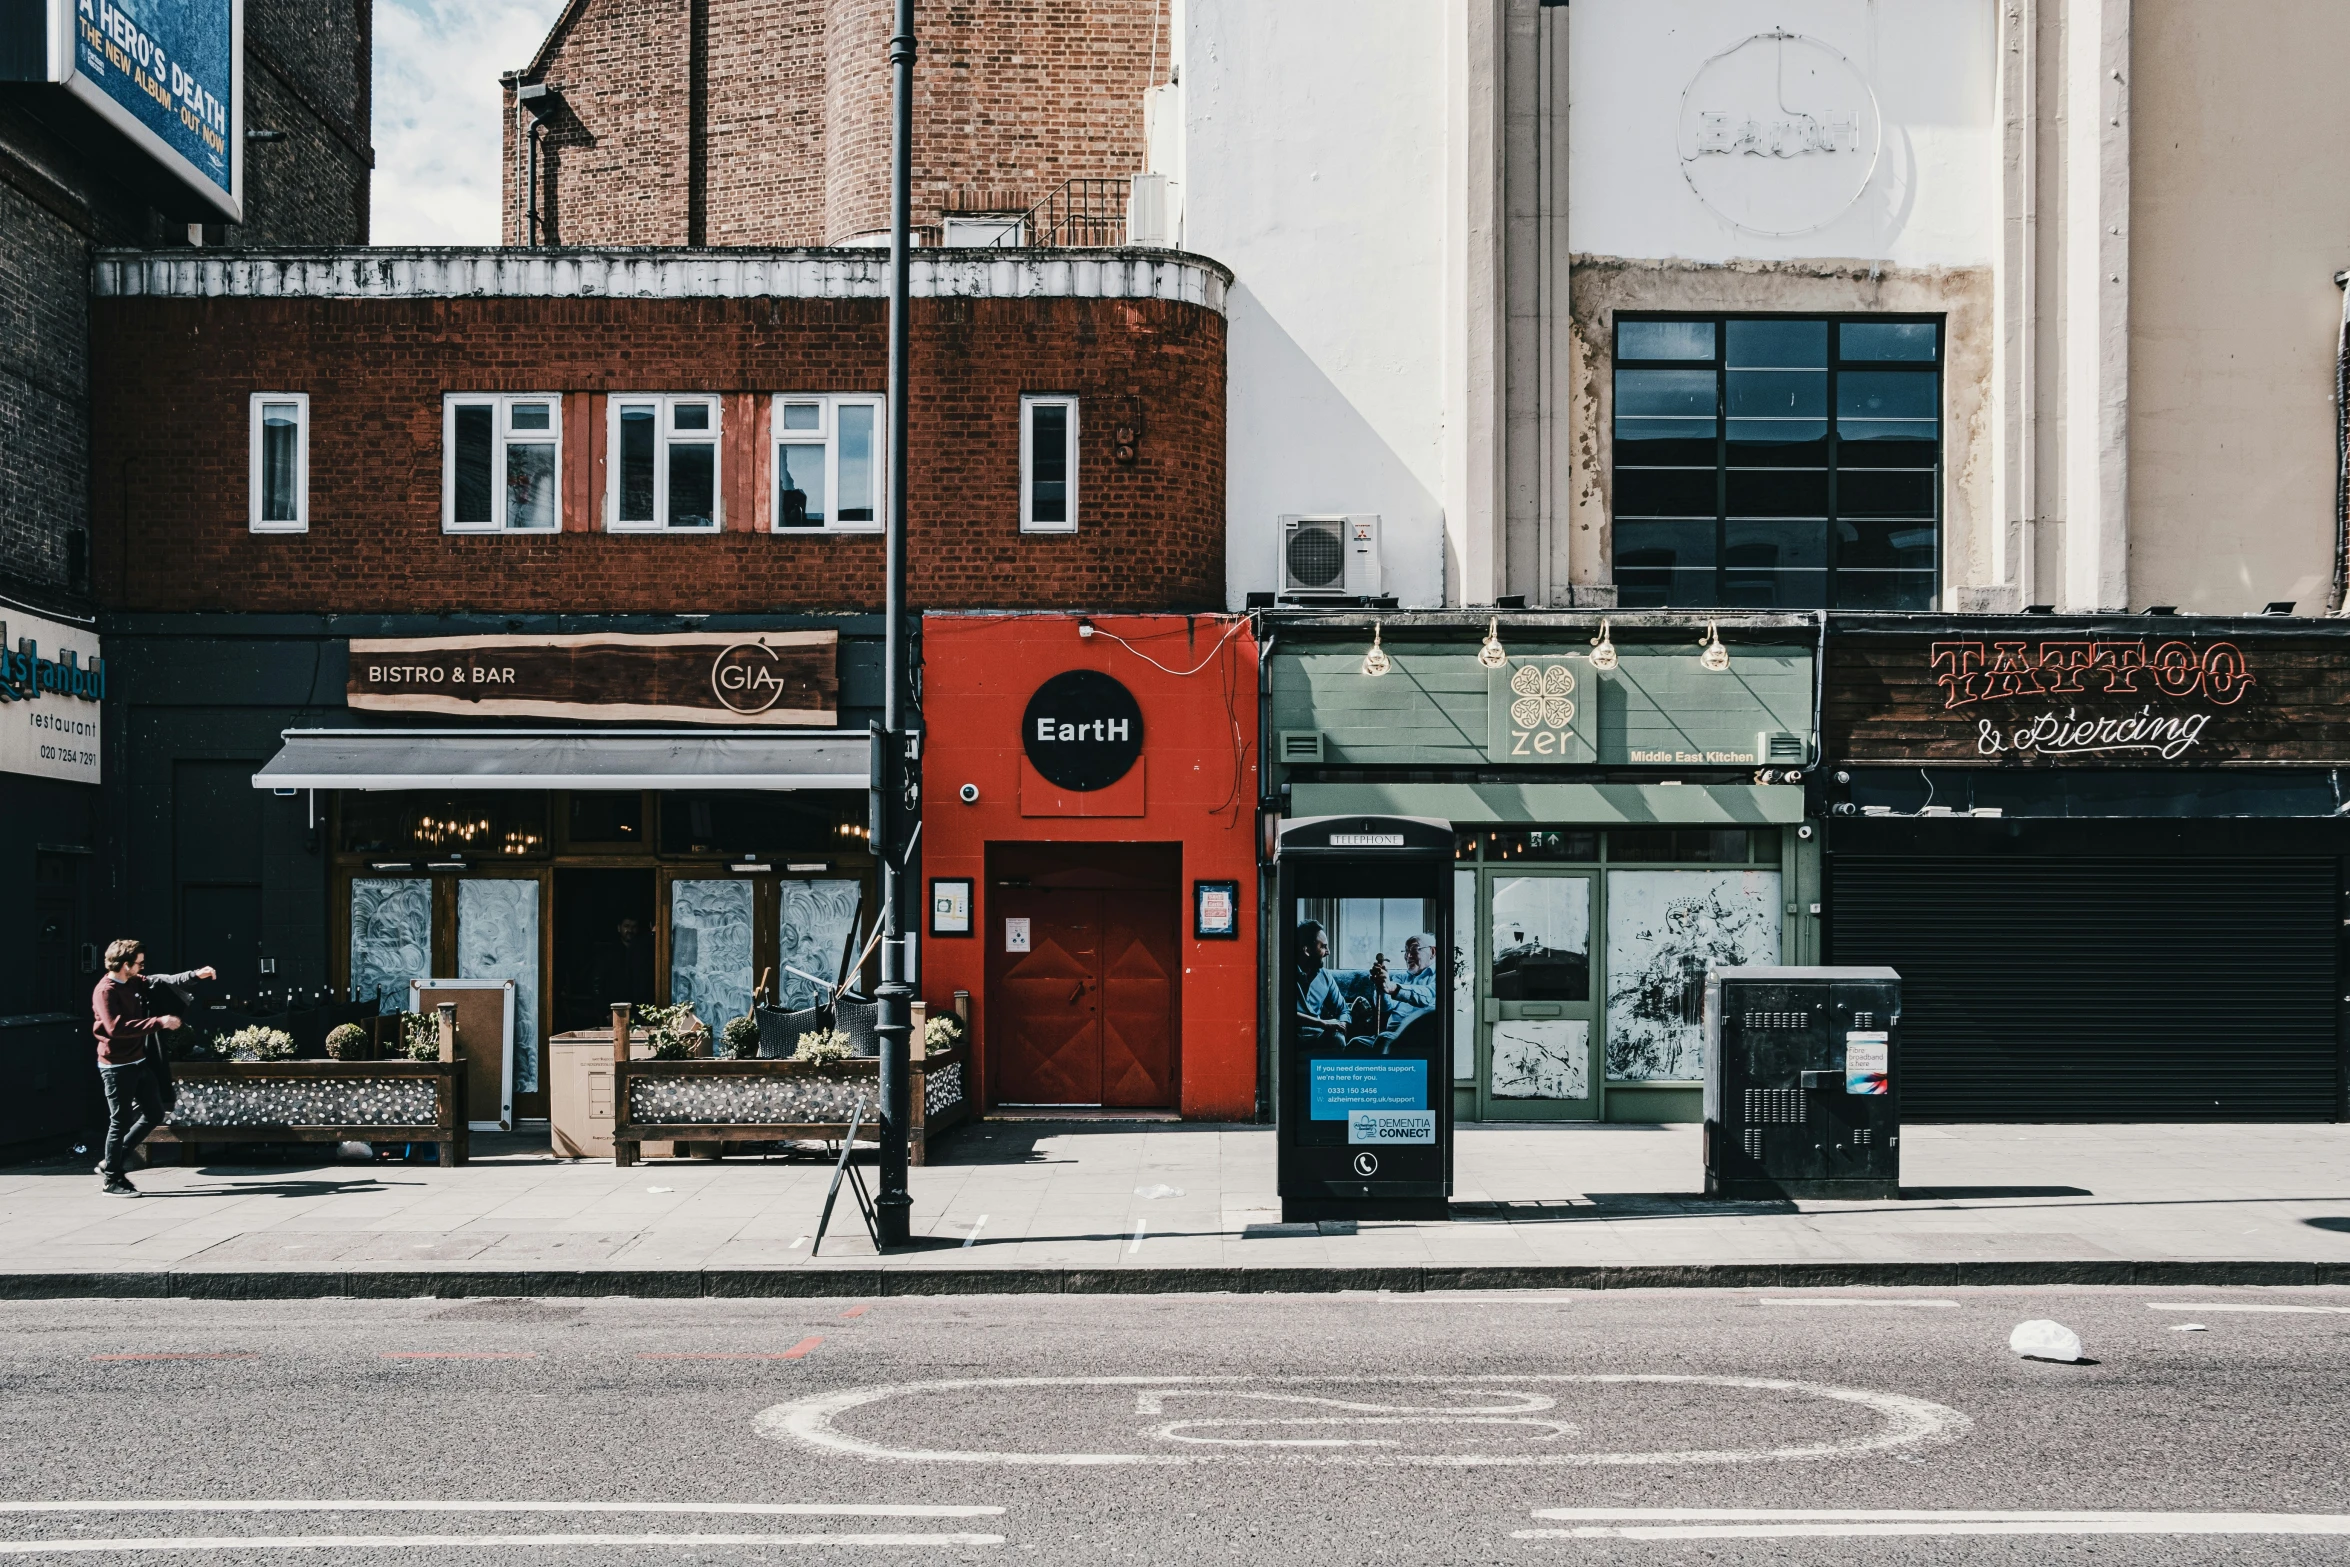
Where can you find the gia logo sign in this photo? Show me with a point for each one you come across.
(1082, 730)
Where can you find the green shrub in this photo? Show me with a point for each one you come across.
(823, 1045)
(420, 1036)
(347, 1042)
(255, 1043)
(944, 1031)
(674, 1032)
(742, 1037)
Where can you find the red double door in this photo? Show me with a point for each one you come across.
(1088, 1015)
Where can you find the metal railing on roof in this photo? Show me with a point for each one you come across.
(1077, 212)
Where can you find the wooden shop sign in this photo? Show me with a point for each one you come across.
(752, 677)
(2092, 698)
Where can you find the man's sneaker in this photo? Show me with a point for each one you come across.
(118, 1185)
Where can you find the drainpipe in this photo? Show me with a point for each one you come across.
(541, 101)
(2334, 595)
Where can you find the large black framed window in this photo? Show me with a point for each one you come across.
(1778, 462)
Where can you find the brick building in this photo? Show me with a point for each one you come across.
(590, 489)
(68, 186)
(767, 122)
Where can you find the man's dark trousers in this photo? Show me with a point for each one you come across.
(134, 1107)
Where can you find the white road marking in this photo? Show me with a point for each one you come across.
(1825, 1300)
(977, 1225)
(1906, 1420)
(1733, 1523)
(796, 1245)
(405, 1542)
(738, 1509)
(1139, 1227)
(1153, 1401)
(2213, 1305)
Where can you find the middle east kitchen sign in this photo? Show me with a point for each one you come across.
(784, 678)
(2093, 697)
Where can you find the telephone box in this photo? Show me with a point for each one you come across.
(1803, 1083)
(1363, 991)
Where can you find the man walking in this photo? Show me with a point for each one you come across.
(126, 1013)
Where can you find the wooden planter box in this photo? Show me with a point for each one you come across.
(764, 1101)
(319, 1102)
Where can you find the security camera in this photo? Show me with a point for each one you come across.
(970, 794)
(1804, 831)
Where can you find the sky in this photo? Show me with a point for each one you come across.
(436, 113)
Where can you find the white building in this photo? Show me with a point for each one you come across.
(1956, 304)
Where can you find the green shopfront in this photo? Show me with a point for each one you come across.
(1627, 803)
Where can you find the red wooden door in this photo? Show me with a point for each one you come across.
(1049, 999)
(1140, 969)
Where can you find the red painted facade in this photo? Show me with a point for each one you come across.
(1184, 814)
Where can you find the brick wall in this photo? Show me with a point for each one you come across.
(176, 375)
(1010, 98)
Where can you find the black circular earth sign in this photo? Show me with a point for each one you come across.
(1083, 730)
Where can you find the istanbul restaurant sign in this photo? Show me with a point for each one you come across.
(2088, 699)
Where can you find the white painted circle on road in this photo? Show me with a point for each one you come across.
(1343, 1420)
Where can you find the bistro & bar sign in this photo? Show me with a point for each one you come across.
(783, 678)
(2090, 697)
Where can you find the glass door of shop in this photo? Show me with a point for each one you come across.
(1538, 1033)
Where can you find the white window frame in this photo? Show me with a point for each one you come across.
(827, 434)
(664, 434)
(501, 405)
(253, 519)
(1029, 403)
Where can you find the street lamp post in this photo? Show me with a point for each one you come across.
(895, 778)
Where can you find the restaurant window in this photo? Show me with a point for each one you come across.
(280, 462)
(1778, 462)
(1048, 464)
(664, 464)
(827, 463)
(504, 459)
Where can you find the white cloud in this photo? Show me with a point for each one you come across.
(436, 113)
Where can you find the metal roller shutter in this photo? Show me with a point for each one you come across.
(2039, 989)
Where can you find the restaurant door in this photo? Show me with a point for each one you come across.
(1539, 1031)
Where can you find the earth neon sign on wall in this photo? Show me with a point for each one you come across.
(1779, 135)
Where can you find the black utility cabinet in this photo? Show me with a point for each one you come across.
(1364, 1098)
(1803, 1082)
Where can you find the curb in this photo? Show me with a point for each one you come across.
(765, 1283)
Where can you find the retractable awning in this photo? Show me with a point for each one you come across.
(565, 759)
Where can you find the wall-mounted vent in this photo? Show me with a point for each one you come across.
(1301, 747)
(1778, 747)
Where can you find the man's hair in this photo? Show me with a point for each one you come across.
(1305, 940)
(123, 951)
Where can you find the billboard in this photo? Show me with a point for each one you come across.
(168, 74)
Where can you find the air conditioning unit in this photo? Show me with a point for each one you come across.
(1330, 557)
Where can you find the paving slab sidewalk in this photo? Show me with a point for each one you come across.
(1161, 1206)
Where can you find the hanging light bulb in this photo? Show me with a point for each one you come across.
(1603, 650)
(1715, 657)
(1492, 655)
(1375, 662)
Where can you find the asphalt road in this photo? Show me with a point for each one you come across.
(1177, 1429)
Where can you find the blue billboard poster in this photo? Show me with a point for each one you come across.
(169, 75)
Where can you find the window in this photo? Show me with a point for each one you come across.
(1778, 462)
(280, 463)
(504, 463)
(1048, 465)
(827, 463)
(664, 464)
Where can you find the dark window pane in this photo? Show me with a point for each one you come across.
(1861, 444)
(1778, 443)
(530, 484)
(1649, 393)
(532, 416)
(1664, 339)
(1048, 463)
(1777, 492)
(1665, 492)
(1884, 590)
(1680, 546)
(1667, 442)
(1778, 394)
(1778, 345)
(1775, 545)
(607, 818)
(690, 416)
(857, 481)
(1743, 589)
(281, 433)
(799, 486)
(475, 480)
(636, 464)
(1886, 340)
(1879, 395)
(1679, 845)
(693, 485)
(1880, 492)
(1542, 845)
(1870, 542)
